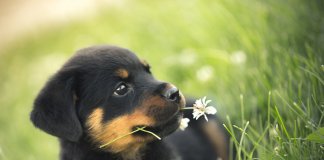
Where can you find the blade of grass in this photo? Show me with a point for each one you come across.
(120, 137)
(137, 130)
(149, 132)
(241, 139)
(242, 109)
(302, 117)
(257, 143)
(281, 123)
(313, 74)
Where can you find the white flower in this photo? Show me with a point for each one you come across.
(238, 57)
(201, 108)
(205, 73)
(184, 123)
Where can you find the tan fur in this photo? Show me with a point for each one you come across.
(128, 146)
(156, 101)
(94, 120)
(217, 137)
(122, 125)
(145, 64)
(122, 73)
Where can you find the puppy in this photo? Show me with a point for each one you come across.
(105, 92)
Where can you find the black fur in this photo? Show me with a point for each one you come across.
(86, 82)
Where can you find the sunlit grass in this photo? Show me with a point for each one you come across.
(261, 61)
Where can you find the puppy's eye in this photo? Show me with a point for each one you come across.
(121, 89)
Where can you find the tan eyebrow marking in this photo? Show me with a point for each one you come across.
(122, 73)
(145, 64)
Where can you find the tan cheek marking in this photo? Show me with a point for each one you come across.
(104, 133)
(122, 73)
(155, 101)
(217, 137)
(94, 120)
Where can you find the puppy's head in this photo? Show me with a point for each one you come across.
(105, 92)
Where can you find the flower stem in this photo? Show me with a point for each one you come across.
(138, 129)
(187, 108)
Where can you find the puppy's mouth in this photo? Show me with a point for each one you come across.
(161, 129)
(167, 119)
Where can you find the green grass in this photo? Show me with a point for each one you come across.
(261, 61)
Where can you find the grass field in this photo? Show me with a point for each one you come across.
(262, 62)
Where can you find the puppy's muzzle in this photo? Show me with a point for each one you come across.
(171, 94)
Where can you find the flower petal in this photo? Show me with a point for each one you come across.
(204, 101)
(184, 123)
(206, 117)
(199, 104)
(196, 114)
(187, 120)
(210, 110)
(208, 101)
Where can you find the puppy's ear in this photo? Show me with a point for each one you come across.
(54, 108)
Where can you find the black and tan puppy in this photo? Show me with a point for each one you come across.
(104, 92)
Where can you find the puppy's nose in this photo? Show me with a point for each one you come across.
(171, 94)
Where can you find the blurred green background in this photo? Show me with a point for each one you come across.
(260, 61)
